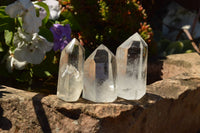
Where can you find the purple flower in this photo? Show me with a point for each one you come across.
(61, 35)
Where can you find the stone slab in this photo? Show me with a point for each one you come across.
(170, 105)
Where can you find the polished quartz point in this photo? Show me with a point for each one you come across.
(100, 75)
(131, 59)
(70, 77)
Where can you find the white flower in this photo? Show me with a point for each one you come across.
(21, 38)
(54, 9)
(31, 50)
(13, 63)
(31, 22)
(26, 10)
(18, 8)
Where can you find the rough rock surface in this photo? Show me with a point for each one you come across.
(180, 64)
(172, 66)
(171, 105)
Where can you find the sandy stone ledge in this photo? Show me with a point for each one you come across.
(171, 105)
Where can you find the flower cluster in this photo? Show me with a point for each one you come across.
(29, 46)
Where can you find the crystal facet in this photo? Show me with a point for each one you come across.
(70, 77)
(131, 59)
(100, 75)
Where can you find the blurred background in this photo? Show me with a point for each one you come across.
(162, 24)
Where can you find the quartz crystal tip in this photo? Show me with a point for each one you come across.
(100, 75)
(131, 59)
(70, 77)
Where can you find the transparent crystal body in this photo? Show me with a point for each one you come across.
(70, 77)
(131, 59)
(100, 76)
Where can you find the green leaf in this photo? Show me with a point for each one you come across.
(47, 73)
(189, 51)
(2, 11)
(6, 23)
(67, 17)
(1, 49)
(46, 33)
(42, 4)
(175, 47)
(8, 37)
(19, 20)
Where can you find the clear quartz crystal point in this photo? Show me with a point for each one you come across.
(131, 59)
(100, 76)
(70, 77)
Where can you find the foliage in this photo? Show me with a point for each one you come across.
(106, 21)
(166, 47)
(10, 65)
